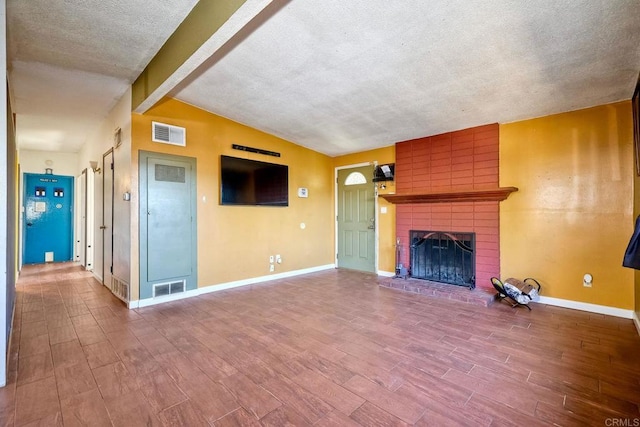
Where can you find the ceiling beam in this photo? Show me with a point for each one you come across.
(209, 26)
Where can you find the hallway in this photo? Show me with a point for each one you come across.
(329, 348)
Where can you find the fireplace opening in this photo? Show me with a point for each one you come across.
(444, 257)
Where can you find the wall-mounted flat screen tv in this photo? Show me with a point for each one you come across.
(253, 183)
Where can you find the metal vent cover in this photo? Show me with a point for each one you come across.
(119, 288)
(168, 173)
(162, 289)
(168, 134)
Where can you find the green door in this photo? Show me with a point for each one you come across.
(167, 224)
(356, 219)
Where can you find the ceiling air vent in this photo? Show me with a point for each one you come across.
(168, 134)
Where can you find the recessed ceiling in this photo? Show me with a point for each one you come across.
(336, 76)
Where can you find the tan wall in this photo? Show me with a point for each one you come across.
(234, 242)
(573, 212)
(386, 222)
(97, 145)
(34, 161)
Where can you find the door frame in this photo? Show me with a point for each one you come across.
(83, 219)
(89, 234)
(80, 220)
(192, 280)
(375, 207)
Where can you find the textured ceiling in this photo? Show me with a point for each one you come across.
(348, 76)
(335, 76)
(70, 61)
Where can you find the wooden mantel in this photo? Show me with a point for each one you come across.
(486, 195)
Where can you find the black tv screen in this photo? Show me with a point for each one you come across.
(251, 182)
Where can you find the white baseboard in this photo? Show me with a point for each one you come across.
(224, 286)
(3, 376)
(636, 320)
(385, 273)
(585, 306)
(261, 279)
(166, 298)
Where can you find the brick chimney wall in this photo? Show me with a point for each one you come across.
(461, 160)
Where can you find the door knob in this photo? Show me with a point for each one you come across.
(29, 224)
(103, 227)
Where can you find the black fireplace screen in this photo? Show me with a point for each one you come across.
(443, 257)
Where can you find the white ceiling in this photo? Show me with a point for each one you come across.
(71, 61)
(335, 76)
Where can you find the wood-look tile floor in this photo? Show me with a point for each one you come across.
(327, 349)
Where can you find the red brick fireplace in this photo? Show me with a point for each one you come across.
(450, 182)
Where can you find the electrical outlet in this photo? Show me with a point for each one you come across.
(272, 268)
(587, 280)
(278, 259)
(271, 259)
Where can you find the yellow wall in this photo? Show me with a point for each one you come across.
(234, 242)
(386, 222)
(573, 212)
(636, 212)
(572, 215)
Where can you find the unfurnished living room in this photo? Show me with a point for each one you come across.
(336, 213)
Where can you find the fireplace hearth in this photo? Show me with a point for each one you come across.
(444, 257)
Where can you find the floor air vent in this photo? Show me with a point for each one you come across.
(162, 289)
(119, 288)
(168, 134)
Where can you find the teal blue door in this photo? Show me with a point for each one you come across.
(48, 218)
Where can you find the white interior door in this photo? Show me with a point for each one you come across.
(107, 217)
(80, 220)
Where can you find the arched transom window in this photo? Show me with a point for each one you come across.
(355, 178)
